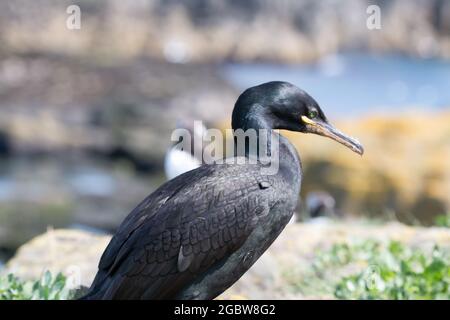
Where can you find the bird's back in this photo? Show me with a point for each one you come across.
(185, 228)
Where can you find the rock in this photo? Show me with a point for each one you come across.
(72, 252)
(76, 253)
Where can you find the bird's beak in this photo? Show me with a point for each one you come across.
(327, 130)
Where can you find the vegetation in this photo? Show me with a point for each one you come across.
(443, 220)
(47, 288)
(399, 272)
(372, 270)
(364, 270)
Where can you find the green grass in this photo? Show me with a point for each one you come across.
(47, 288)
(398, 272)
(365, 270)
(373, 270)
(443, 220)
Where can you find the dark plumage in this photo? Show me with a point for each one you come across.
(201, 231)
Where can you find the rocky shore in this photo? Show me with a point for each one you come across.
(200, 31)
(86, 115)
(122, 117)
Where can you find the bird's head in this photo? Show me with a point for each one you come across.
(281, 105)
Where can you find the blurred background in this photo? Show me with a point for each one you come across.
(86, 114)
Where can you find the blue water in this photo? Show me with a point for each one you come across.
(354, 84)
(92, 182)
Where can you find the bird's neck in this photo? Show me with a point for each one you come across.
(270, 147)
(290, 163)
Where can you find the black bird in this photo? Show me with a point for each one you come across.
(200, 232)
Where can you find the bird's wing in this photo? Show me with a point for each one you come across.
(182, 229)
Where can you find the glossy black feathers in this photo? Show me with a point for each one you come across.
(173, 236)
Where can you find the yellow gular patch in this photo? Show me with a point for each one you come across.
(307, 120)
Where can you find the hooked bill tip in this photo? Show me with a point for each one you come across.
(359, 149)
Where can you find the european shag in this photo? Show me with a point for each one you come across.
(178, 161)
(200, 232)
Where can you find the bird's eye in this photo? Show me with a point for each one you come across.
(312, 114)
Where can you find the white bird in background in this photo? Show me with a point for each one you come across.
(179, 160)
